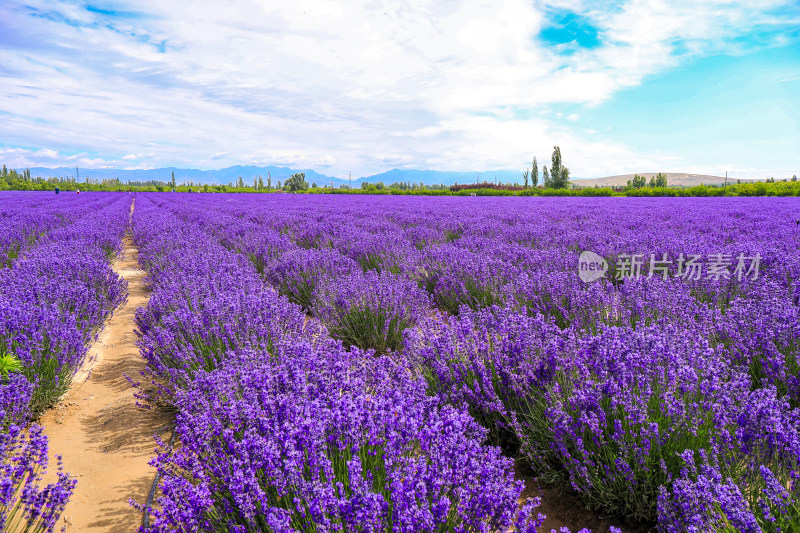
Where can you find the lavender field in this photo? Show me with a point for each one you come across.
(368, 363)
(56, 290)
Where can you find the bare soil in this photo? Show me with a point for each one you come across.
(105, 439)
(564, 509)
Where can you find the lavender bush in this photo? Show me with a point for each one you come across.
(297, 273)
(377, 454)
(370, 309)
(456, 277)
(489, 360)
(56, 297)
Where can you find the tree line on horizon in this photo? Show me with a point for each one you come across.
(555, 182)
(659, 180)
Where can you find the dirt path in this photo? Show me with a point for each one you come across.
(566, 510)
(104, 438)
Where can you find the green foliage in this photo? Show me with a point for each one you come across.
(9, 363)
(296, 183)
(369, 328)
(559, 174)
(599, 191)
(473, 293)
(372, 188)
(637, 182)
(555, 167)
(640, 182)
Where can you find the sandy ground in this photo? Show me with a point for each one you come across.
(104, 438)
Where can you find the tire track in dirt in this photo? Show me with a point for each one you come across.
(105, 439)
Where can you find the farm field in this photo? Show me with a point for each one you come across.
(370, 363)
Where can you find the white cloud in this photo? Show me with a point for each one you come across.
(47, 153)
(347, 86)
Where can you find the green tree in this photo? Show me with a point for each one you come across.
(546, 178)
(559, 174)
(525, 177)
(637, 182)
(173, 180)
(534, 173)
(269, 180)
(296, 182)
(555, 167)
(260, 182)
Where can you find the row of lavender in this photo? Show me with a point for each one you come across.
(666, 394)
(53, 298)
(26, 217)
(281, 428)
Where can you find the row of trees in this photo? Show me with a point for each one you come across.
(11, 179)
(556, 178)
(659, 180)
(295, 183)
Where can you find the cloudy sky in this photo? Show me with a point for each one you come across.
(366, 86)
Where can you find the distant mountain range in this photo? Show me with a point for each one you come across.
(248, 173)
(428, 177)
(221, 176)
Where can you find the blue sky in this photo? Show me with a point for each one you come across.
(363, 87)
